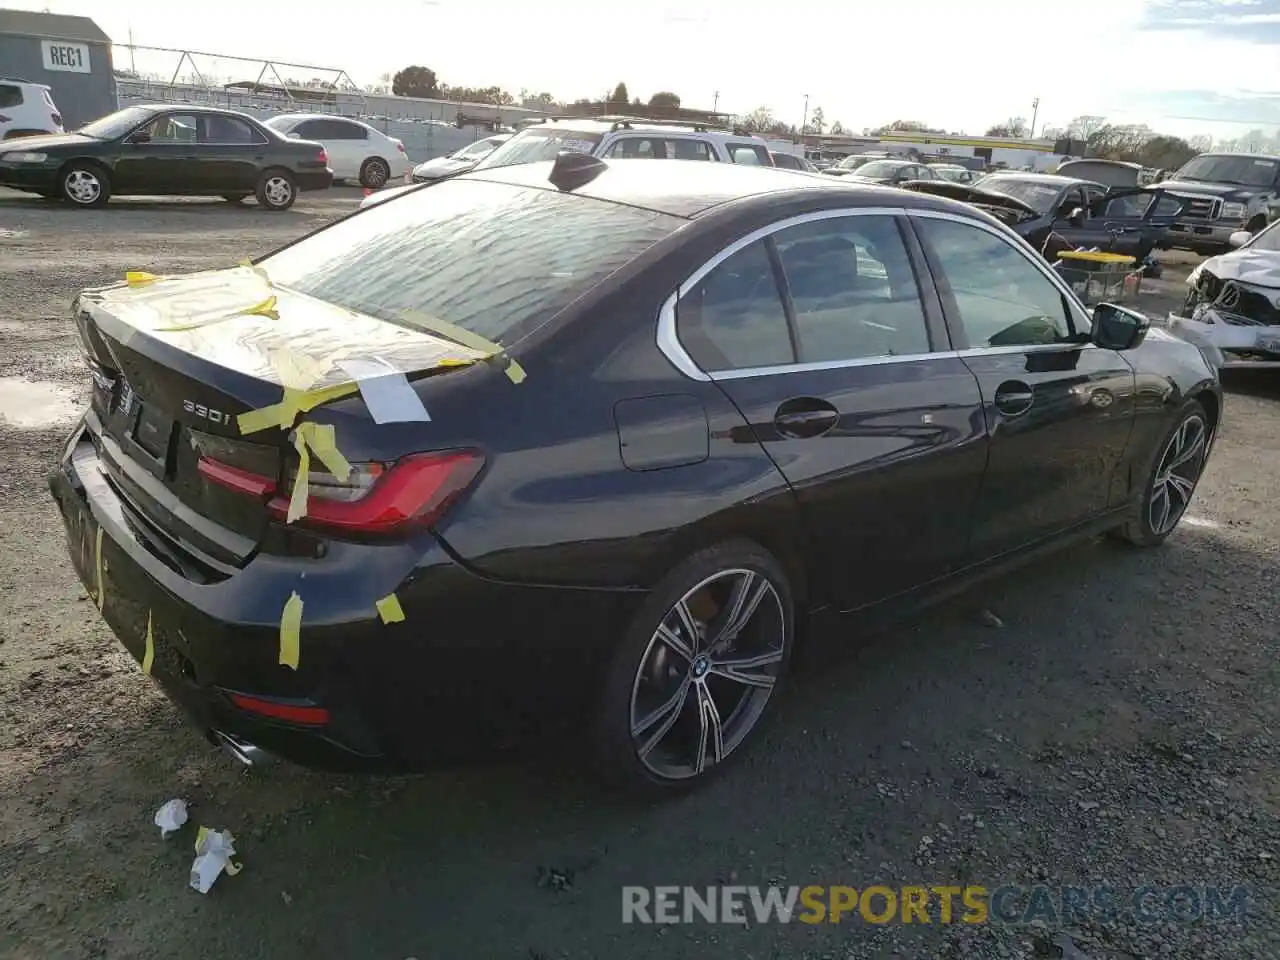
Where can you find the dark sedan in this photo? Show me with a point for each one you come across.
(587, 442)
(167, 151)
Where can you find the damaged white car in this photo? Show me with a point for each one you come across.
(1233, 306)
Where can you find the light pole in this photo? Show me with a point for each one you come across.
(804, 119)
(1035, 112)
(715, 102)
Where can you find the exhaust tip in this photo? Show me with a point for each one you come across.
(239, 750)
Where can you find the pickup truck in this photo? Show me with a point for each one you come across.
(1225, 193)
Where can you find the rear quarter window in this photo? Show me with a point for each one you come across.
(10, 96)
(749, 153)
(495, 259)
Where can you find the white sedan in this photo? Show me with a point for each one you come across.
(356, 150)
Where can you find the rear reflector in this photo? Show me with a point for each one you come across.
(412, 493)
(56, 118)
(280, 710)
(233, 478)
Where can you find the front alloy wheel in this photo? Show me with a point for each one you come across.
(1176, 475)
(85, 186)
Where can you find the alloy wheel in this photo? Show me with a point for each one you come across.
(82, 186)
(707, 673)
(278, 190)
(376, 174)
(1177, 474)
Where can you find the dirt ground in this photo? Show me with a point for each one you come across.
(1114, 723)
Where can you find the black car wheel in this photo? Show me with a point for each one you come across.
(374, 173)
(697, 670)
(85, 185)
(276, 190)
(1171, 480)
(235, 197)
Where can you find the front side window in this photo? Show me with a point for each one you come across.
(493, 258)
(1002, 298)
(734, 319)
(173, 128)
(853, 292)
(638, 148)
(749, 154)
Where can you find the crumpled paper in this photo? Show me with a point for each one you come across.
(214, 850)
(170, 817)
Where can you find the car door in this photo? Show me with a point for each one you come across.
(1134, 220)
(231, 155)
(160, 157)
(838, 359)
(349, 142)
(1058, 410)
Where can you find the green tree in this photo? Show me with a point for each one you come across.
(415, 81)
(664, 99)
(619, 95)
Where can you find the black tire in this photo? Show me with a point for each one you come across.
(277, 190)
(84, 184)
(647, 671)
(374, 173)
(235, 197)
(1140, 528)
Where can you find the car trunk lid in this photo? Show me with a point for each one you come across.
(176, 361)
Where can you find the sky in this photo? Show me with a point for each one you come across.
(1185, 66)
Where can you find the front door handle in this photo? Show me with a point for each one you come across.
(805, 417)
(1014, 398)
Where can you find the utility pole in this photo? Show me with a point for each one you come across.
(133, 67)
(1035, 112)
(804, 120)
(715, 102)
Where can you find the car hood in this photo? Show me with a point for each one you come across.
(49, 142)
(1258, 267)
(967, 194)
(443, 166)
(1227, 191)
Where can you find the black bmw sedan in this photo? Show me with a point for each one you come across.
(593, 442)
(166, 150)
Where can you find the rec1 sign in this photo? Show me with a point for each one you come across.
(66, 57)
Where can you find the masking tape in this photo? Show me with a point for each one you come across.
(200, 835)
(136, 278)
(267, 308)
(260, 271)
(319, 439)
(97, 551)
(515, 373)
(290, 628)
(283, 414)
(149, 657)
(389, 609)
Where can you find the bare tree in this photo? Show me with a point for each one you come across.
(1084, 126)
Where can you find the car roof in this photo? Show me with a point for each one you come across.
(639, 126)
(1050, 179)
(687, 188)
(192, 108)
(316, 116)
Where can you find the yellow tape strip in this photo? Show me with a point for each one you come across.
(136, 278)
(290, 629)
(319, 439)
(267, 308)
(149, 657)
(283, 414)
(200, 835)
(389, 609)
(97, 550)
(515, 373)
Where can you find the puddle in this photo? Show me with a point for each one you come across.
(33, 404)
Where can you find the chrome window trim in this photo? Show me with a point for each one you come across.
(668, 339)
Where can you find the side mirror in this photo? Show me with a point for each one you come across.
(1118, 328)
(1239, 238)
(1076, 217)
(294, 135)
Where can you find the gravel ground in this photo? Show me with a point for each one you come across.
(1103, 717)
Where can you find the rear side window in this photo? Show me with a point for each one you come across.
(495, 259)
(10, 96)
(749, 154)
(734, 318)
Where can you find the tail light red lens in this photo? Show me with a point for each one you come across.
(301, 714)
(384, 500)
(400, 146)
(323, 157)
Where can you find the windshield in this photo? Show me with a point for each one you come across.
(542, 143)
(480, 148)
(1246, 171)
(492, 258)
(881, 168)
(117, 124)
(1040, 196)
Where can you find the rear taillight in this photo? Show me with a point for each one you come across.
(233, 478)
(378, 500)
(323, 158)
(299, 713)
(400, 146)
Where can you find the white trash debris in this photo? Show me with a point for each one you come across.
(171, 817)
(214, 850)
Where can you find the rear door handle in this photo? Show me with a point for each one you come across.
(805, 417)
(1013, 398)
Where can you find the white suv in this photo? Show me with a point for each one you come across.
(27, 109)
(629, 137)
